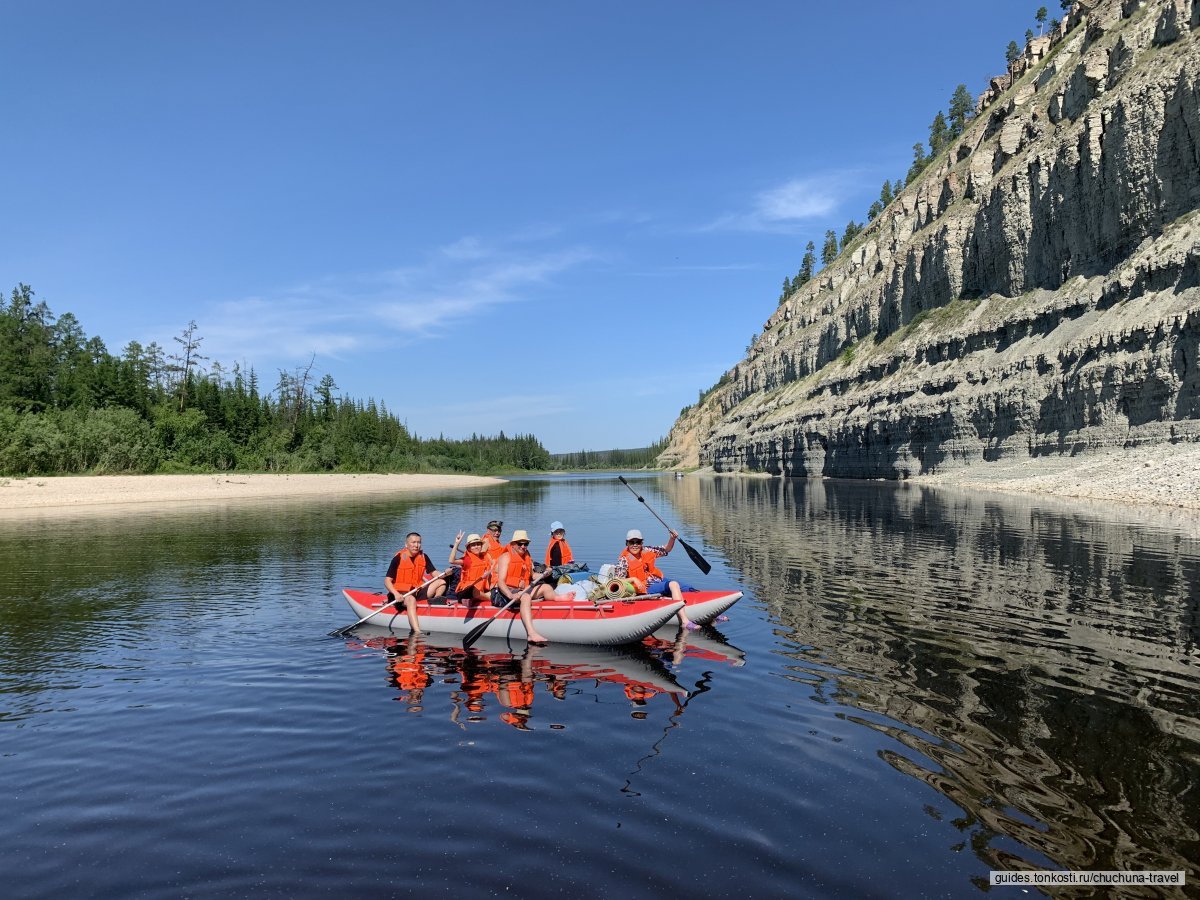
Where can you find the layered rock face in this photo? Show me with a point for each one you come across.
(1035, 291)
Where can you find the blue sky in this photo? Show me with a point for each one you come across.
(550, 217)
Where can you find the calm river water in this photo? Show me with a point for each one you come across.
(919, 686)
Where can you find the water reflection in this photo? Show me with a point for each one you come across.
(497, 679)
(1038, 668)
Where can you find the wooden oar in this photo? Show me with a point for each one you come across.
(391, 602)
(694, 555)
(477, 632)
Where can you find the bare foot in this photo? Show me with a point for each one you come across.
(536, 638)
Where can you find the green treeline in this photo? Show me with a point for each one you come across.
(68, 405)
(641, 458)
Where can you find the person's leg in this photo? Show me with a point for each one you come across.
(436, 587)
(527, 619)
(677, 596)
(410, 607)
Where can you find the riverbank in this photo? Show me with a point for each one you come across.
(1164, 475)
(1160, 475)
(20, 496)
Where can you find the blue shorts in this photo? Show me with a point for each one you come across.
(660, 587)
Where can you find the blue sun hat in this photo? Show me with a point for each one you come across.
(557, 526)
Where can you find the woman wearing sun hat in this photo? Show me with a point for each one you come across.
(474, 582)
(514, 575)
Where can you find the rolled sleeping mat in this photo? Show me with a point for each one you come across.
(618, 588)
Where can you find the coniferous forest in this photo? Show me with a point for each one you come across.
(68, 405)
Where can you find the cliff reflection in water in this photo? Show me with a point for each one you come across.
(1042, 666)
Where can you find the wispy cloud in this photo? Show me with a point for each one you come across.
(784, 207)
(341, 314)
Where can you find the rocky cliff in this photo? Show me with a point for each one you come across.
(1035, 291)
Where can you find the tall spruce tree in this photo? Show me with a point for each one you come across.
(808, 263)
(1040, 16)
(939, 134)
(829, 251)
(962, 107)
(885, 193)
(1012, 53)
(920, 161)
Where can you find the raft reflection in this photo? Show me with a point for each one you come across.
(513, 679)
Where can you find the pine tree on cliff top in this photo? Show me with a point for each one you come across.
(1012, 53)
(1040, 16)
(939, 134)
(808, 263)
(829, 251)
(962, 107)
(920, 161)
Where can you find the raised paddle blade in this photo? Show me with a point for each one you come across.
(694, 555)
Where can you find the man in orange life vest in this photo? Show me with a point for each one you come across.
(409, 569)
(491, 539)
(638, 563)
(514, 572)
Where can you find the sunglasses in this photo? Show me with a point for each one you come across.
(639, 543)
(521, 543)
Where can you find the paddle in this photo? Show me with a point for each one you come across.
(477, 632)
(391, 602)
(701, 563)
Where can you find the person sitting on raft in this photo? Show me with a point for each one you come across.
(637, 562)
(474, 581)
(514, 572)
(558, 552)
(409, 569)
(491, 538)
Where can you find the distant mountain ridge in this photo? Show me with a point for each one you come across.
(1035, 291)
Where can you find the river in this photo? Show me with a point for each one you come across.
(920, 685)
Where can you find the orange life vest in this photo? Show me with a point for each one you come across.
(564, 549)
(410, 570)
(410, 672)
(517, 694)
(636, 691)
(520, 569)
(642, 567)
(475, 567)
(492, 547)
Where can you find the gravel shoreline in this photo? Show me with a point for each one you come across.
(1164, 475)
(23, 496)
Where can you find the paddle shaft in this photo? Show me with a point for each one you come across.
(391, 602)
(694, 555)
(477, 632)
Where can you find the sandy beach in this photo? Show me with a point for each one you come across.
(21, 496)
